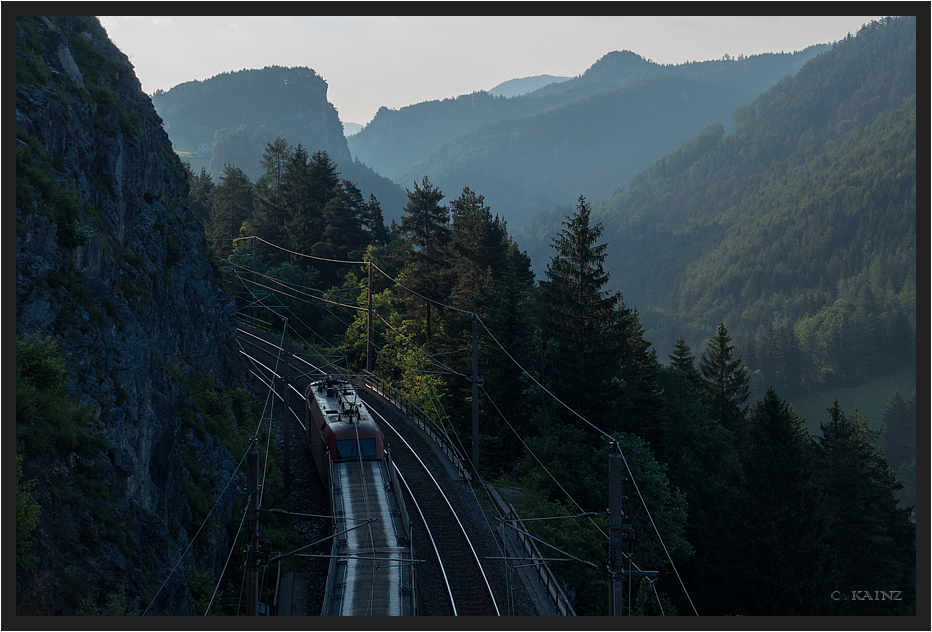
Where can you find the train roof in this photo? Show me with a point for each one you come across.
(343, 409)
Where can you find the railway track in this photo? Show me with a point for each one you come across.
(454, 575)
(460, 576)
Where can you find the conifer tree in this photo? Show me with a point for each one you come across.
(199, 189)
(785, 560)
(726, 385)
(899, 430)
(368, 214)
(324, 179)
(477, 239)
(271, 213)
(303, 225)
(639, 402)
(580, 315)
(682, 358)
(374, 221)
(426, 226)
(231, 203)
(492, 278)
(872, 540)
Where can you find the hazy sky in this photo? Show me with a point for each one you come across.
(373, 61)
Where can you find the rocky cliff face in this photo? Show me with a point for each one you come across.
(253, 107)
(114, 268)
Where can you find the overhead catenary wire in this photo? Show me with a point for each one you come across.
(291, 286)
(620, 451)
(527, 373)
(200, 528)
(585, 514)
(539, 462)
(225, 564)
(301, 254)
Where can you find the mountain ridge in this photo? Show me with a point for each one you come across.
(806, 211)
(235, 115)
(432, 137)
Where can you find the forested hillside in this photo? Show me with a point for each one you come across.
(799, 229)
(792, 235)
(588, 135)
(236, 114)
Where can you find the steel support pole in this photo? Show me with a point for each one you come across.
(286, 408)
(616, 533)
(252, 532)
(369, 359)
(475, 397)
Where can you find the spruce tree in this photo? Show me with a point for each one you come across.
(271, 212)
(368, 214)
(639, 402)
(477, 239)
(872, 541)
(899, 430)
(374, 221)
(303, 224)
(682, 358)
(425, 224)
(231, 203)
(582, 317)
(726, 384)
(199, 189)
(784, 556)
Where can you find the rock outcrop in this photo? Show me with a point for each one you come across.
(113, 267)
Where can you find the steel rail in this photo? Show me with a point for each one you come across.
(430, 535)
(447, 501)
(413, 452)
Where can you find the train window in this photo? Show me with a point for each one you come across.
(350, 449)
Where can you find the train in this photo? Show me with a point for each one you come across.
(372, 570)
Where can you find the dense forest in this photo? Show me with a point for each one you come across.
(568, 379)
(567, 367)
(799, 229)
(738, 507)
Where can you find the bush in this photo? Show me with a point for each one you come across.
(46, 416)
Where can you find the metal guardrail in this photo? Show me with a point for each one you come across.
(424, 421)
(255, 323)
(544, 574)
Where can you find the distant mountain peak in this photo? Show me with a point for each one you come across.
(518, 87)
(616, 62)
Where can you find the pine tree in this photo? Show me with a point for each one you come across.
(231, 203)
(872, 540)
(726, 384)
(581, 316)
(682, 359)
(784, 553)
(425, 224)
